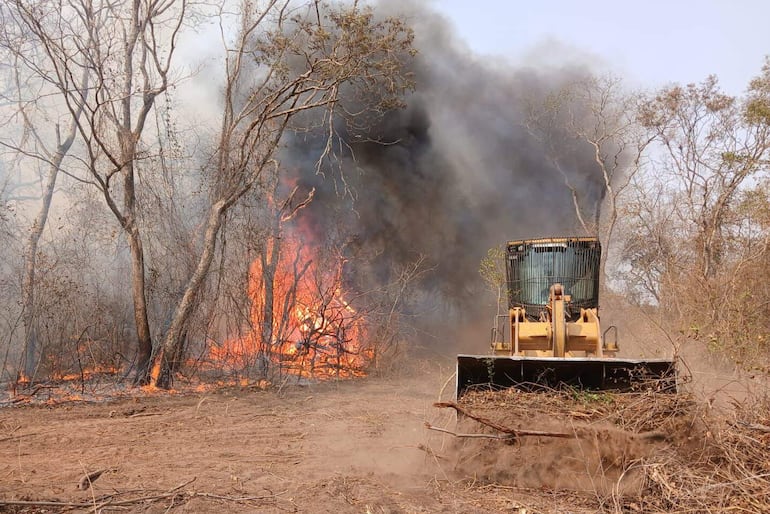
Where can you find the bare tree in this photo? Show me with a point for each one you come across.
(713, 144)
(492, 270)
(648, 244)
(34, 114)
(598, 114)
(388, 313)
(288, 60)
(125, 50)
(696, 239)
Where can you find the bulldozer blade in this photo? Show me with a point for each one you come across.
(535, 373)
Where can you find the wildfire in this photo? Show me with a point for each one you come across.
(86, 373)
(300, 322)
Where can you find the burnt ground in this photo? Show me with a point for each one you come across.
(352, 446)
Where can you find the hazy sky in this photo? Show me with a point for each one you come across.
(650, 43)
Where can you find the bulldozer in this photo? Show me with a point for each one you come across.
(551, 336)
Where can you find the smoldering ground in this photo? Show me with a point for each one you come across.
(456, 172)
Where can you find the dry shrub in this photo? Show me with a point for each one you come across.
(611, 434)
(730, 471)
(632, 452)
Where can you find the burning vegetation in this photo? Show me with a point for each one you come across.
(300, 321)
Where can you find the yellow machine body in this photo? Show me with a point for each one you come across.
(555, 336)
(561, 342)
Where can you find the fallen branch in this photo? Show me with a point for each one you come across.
(36, 389)
(183, 484)
(112, 501)
(237, 498)
(42, 503)
(90, 478)
(507, 437)
(513, 433)
(145, 414)
(753, 426)
(428, 449)
(441, 392)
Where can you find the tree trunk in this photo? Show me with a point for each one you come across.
(141, 321)
(133, 234)
(268, 279)
(30, 256)
(269, 258)
(160, 374)
(28, 291)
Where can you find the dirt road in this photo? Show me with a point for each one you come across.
(353, 446)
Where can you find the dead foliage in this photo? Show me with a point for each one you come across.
(729, 472)
(630, 452)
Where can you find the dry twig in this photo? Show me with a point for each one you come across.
(90, 478)
(113, 501)
(507, 437)
(513, 433)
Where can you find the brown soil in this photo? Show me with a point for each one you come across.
(354, 446)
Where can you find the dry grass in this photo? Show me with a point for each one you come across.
(729, 473)
(680, 454)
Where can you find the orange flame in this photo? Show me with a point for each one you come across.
(300, 321)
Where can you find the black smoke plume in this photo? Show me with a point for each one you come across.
(459, 171)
